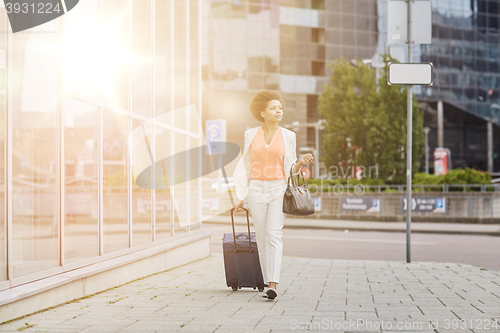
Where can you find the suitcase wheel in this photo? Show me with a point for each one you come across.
(261, 289)
(254, 288)
(234, 285)
(235, 288)
(240, 287)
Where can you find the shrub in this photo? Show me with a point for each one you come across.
(456, 176)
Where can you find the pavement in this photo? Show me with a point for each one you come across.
(353, 225)
(317, 295)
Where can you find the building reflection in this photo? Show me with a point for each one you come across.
(77, 88)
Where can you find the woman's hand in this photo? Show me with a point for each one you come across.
(306, 159)
(238, 207)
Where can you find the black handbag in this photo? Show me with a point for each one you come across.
(297, 200)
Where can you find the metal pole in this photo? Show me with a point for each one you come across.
(409, 145)
(440, 120)
(316, 162)
(489, 131)
(426, 131)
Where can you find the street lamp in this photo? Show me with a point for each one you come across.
(426, 131)
(317, 126)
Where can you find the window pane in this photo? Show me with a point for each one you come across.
(193, 64)
(35, 224)
(141, 60)
(194, 183)
(180, 62)
(162, 196)
(83, 66)
(180, 172)
(115, 38)
(81, 229)
(115, 187)
(162, 60)
(3, 243)
(141, 197)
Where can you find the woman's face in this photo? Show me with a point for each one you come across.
(273, 112)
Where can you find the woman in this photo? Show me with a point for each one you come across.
(261, 177)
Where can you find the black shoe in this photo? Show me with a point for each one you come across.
(271, 293)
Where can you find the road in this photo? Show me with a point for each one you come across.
(483, 251)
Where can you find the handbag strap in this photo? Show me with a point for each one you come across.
(298, 181)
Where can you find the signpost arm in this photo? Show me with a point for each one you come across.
(409, 144)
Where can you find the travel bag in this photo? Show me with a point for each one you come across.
(241, 258)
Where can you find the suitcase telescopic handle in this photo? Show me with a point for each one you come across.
(236, 250)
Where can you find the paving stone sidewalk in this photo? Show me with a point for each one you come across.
(315, 295)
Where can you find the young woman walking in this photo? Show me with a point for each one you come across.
(261, 177)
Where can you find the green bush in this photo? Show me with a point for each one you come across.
(456, 176)
(467, 176)
(421, 178)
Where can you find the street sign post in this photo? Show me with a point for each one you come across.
(419, 19)
(215, 134)
(421, 24)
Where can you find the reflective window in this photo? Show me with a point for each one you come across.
(194, 183)
(194, 74)
(180, 62)
(81, 229)
(163, 196)
(162, 60)
(115, 57)
(34, 84)
(85, 68)
(3, 243)
(115, 182)
(180, 192)
(141, 197)
(141, 60)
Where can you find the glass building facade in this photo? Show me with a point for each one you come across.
(466, 52)
(73, 91)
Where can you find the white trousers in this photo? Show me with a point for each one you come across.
(265, 200)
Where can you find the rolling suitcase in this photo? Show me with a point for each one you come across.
(241, 259)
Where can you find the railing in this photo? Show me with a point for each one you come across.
(402, 188)
(456, 206)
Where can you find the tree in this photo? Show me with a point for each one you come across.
(375, 122)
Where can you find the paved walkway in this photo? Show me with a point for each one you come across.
(319, 294)
(420, 227)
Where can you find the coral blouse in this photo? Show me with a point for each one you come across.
(267, 163)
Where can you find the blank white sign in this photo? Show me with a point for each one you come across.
(410, 73)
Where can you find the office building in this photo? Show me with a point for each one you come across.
(73, 93)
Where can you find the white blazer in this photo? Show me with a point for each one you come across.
(241, 173)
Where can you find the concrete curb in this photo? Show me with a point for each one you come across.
(437, 228)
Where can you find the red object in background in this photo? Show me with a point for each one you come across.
(442, 161)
